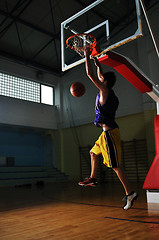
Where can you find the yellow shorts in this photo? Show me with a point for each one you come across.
(108, 144)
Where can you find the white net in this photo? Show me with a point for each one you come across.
(80, 42)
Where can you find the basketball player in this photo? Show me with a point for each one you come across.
(108, 143)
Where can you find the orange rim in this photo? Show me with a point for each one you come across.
(92, 45)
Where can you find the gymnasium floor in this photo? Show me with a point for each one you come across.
(66, 211)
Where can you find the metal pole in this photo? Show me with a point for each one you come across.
(153, 38)
(54, 30)
(149, 25)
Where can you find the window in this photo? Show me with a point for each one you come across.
(16, 87)
(46, 94)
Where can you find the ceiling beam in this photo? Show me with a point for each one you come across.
(30, 25)
(5, 29)
(17, 5)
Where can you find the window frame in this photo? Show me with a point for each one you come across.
(10, 89)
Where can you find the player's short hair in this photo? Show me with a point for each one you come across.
(110, 78)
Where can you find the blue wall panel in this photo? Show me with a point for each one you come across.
(27, 148)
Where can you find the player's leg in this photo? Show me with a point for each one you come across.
(94, 164)
(91, 181)
(123, 178)
(130, 195)
(94, 152)
(112, 158)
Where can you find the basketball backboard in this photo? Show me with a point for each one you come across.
(113, 23)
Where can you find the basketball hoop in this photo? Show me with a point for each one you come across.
(79, 42)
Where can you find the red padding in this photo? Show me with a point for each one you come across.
(128, 70)
(156, 126)
(152, 178)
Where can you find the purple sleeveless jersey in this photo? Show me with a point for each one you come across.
(106, 113)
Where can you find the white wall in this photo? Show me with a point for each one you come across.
(24, 113)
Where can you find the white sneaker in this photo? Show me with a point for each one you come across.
(129, 199)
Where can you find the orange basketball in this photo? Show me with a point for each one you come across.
(77, 89)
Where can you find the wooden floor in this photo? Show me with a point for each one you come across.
(69, 212)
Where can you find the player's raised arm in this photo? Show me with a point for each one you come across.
(99, 69)
(90, 73)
